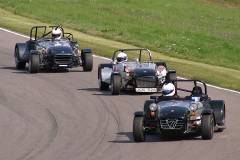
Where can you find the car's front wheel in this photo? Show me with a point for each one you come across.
(139, 134)
(207, 127)
(115, 84)
(33, 64)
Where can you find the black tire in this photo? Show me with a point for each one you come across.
(102, 86)
(173, 76)
(115, 84)
(139, 134)
(33, 64)
(207, 127)
(87, 62)
(19, 64)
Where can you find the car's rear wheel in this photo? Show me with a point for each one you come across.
(207, 127)
(102, 86)
(33, 64)
(87, 62)
(139, 134)
(19, 64)
(115, 84)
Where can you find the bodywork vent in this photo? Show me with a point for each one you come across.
(146, 81)
(63, 59)
(171, 123)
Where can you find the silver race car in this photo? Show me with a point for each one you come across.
(135, 71)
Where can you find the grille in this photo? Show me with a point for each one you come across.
(63, 59)
(171, 123)
(146, 81)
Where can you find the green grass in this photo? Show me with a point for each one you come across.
(179, 32)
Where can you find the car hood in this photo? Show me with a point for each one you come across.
(60, 50)
(173, 108)
(144, 72)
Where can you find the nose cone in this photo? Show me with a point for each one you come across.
(174, 111)
(145, 71)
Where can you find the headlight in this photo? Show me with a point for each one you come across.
(76, 51)
(193, 106)
(153, 107)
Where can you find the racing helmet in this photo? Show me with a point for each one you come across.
(56, 33)
(168, 89)
(122, 57)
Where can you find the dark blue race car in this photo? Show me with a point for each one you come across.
(43, 50)
(175, 115)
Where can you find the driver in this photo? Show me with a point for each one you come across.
(169, 92)
(56, 33)
(122, 57)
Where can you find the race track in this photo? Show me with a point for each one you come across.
(62, 115)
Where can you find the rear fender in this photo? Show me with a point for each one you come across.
(218, 107)
(23, 49)
(105, 70)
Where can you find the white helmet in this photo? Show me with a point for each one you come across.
(168, 89)
(122, 57)
(56, 33)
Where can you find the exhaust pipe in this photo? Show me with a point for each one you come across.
(219, 127)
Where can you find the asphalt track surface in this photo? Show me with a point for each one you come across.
(62, 115)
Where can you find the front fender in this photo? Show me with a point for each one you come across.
(161, 64)
(171, 70)
(207, 112)
(86, 50)
(34, 52)
(115, 73)
(140, 113)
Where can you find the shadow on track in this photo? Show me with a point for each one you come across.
(108, 92)
(157, 138)
(41, 70)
